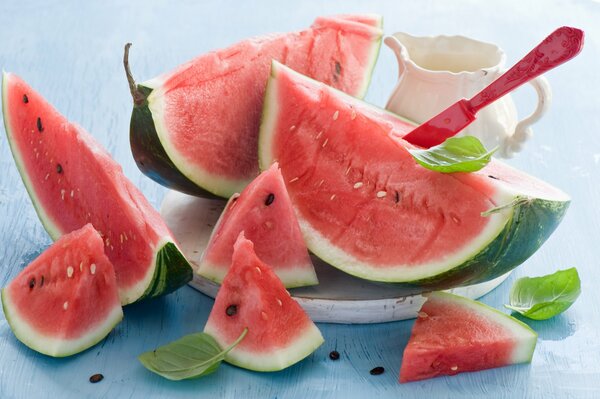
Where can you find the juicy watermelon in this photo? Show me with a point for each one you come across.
(280, 333)
(264, 213)
(453, 334)
(195, 129)
(66, 300)
(72, 181)
(366, 207)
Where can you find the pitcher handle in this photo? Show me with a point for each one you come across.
(394, 44)
(514, 143)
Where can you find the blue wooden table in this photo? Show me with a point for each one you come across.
(71, 52)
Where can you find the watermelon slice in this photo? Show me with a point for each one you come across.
(195, 129)
(72, 181)
(453, 334)
(279, 332)
(66, 300)
(264, 212)
(366, 207)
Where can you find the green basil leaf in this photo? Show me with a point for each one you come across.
(192, 356)
(541, 298)
(455, 154)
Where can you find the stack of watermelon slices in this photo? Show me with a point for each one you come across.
(337, 164)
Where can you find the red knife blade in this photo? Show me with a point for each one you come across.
(560, 46)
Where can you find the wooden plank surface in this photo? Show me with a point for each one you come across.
(71, 52)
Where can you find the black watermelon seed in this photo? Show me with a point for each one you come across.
(338, 68)
(32, 283)
(25, 99)
(42, 281)
(96, 378)
(231, 310)
(334, 355)
(59, 168)
(270, 199)
(377, 370)
(397, 199)
(39, 125)
(493, 177)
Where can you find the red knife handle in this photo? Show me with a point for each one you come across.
(560, 46)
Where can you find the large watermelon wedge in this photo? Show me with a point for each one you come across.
(453, 334)
(195, 129)
(264, 213)
(367, 208)
(280, 333)
(72, 181)
(66, 300)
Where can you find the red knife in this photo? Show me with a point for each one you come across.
(562, 45)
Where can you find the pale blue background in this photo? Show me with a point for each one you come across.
(71, 52)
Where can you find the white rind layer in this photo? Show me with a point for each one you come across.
(49, 224)
(291, 277)
(218, 185)
(56, 346)
(373, 53)
(523, 335)
(306, 343)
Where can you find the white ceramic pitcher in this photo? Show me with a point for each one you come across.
(436, 71)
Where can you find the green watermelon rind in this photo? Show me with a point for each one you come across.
(306, 342)
(150, 154)
(157, 158)
(503, 246)
(162, 278)
(523, 353)
(171, 271)
(52, 346)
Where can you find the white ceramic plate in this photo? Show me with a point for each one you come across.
(339, 297)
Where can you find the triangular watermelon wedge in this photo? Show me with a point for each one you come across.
(72, 181)
(453, 334)
(264, 213)
(279, 334)
(66, 300)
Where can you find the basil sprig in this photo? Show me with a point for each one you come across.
(540, 298)
(192, 356)
(455, 154)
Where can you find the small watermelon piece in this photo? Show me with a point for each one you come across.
(280, 333)
(66, 300)
(72, 181)
(195, 129)
(453, 334)
(264, 213)
(366, 207)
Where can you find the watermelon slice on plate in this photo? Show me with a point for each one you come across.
(366, 207)
(195, 129)
(453, 334)
(279, 332)
(72, 181)
(66, 300)
(264, 213)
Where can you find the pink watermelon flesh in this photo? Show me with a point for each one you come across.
(210, 108)
(453, 334)
(361, 199)
(279, 331)
(264, 213)
(66, 300)
(72, 181)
